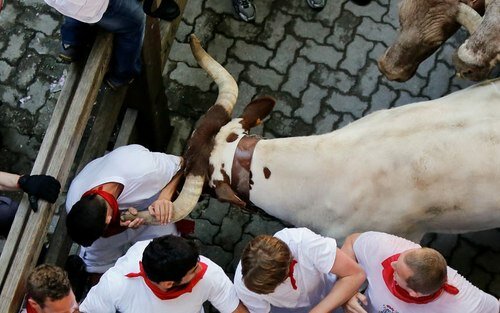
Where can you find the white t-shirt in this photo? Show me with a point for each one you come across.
(117, 293)
(87, 11)
(315, 256)
(372, 248)
(142, 173)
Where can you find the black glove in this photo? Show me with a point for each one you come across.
(39, 186)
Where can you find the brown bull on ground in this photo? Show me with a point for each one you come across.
(425, 26)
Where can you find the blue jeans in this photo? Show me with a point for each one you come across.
(126, 20)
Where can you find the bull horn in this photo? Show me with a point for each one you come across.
(183, 205)
(468, 17)
(228, 89)
(228, 93)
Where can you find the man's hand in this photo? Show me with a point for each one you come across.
(162, 210)
(355, 304)
(40, 186)
(136, 223)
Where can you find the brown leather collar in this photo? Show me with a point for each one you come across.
(241, 177)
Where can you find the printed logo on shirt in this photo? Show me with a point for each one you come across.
(388, 309)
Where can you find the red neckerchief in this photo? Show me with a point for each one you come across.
(174, 292)
(403, 295)
(290, 274)
(114, 226)
(29, 307)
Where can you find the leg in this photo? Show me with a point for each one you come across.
(76, 36)
(126, 20)
(8, 209)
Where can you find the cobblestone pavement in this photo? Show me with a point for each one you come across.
(320, 66)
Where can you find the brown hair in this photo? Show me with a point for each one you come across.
(429, 270)
(264, 264)
(48, 281)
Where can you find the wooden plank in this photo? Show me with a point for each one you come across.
(126, 128)
(153, 123)
(61, 159)
(106, 117)
(40, 166)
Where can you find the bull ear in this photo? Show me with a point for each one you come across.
(256, 111)
(225, 193)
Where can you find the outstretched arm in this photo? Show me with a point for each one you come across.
(162, 207)
(355, 304)
(8, 181)
(350, 276)
(36, 186)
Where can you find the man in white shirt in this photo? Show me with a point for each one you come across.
(406, 278)
(49, 291)
(124, 18)
(295, 270)
(130, 176)
(163, 275)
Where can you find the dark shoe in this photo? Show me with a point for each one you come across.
(167, 10)
(316, 4)
(114, 83)
(69, 53)
(245, 9)
(77, 274)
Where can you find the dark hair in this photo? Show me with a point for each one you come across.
(48, 281)
(169, 258)
(87, 220)
(265, 263)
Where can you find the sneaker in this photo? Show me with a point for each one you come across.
(245, 9)
(167, 10)
(114, 83)
(68, 53)
(316, 4)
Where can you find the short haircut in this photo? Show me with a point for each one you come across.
(48, 282)
(429, 270)
(265, 263)
(169, 258)
(86, 221)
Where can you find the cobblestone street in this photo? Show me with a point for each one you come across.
(320, 66)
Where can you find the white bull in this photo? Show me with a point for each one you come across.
(429, 166)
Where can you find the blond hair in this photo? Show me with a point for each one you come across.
(429, 270)
(265, 262)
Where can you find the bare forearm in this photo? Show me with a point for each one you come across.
(343, 290)
(9, 181)
(168, 191)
